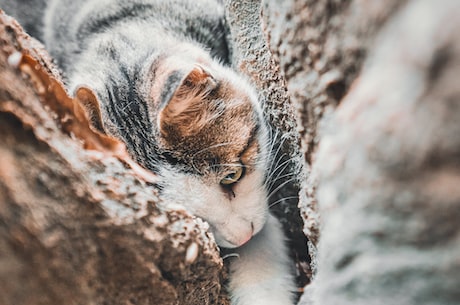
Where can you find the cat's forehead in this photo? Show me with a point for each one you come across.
(227, 133)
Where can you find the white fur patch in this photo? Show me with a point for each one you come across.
(231, 220)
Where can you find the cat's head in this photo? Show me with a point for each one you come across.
(213, 139)
(199, 125)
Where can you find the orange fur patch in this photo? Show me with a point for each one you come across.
(214, 130)
(208, 122)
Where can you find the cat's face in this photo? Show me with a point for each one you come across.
(211, 132)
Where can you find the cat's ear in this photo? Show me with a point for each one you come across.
(86, 97)
(184, 102)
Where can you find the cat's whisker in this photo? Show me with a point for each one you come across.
(274, 166)
(274, 156)
(230, 255)
(273, 137)
(273, 179)
(274, 141)
(279, 178)
(282, 166)
(278, 169)
(281, 186)
(282, 199)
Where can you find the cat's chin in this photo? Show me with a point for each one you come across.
(235, 242)
(226, 244)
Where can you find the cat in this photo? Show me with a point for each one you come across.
(160, 75)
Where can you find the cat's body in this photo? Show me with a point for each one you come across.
(158, 72)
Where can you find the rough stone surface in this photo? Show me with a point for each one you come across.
(321, 46)
(388, 169)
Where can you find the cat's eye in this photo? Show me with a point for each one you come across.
(233, 177)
